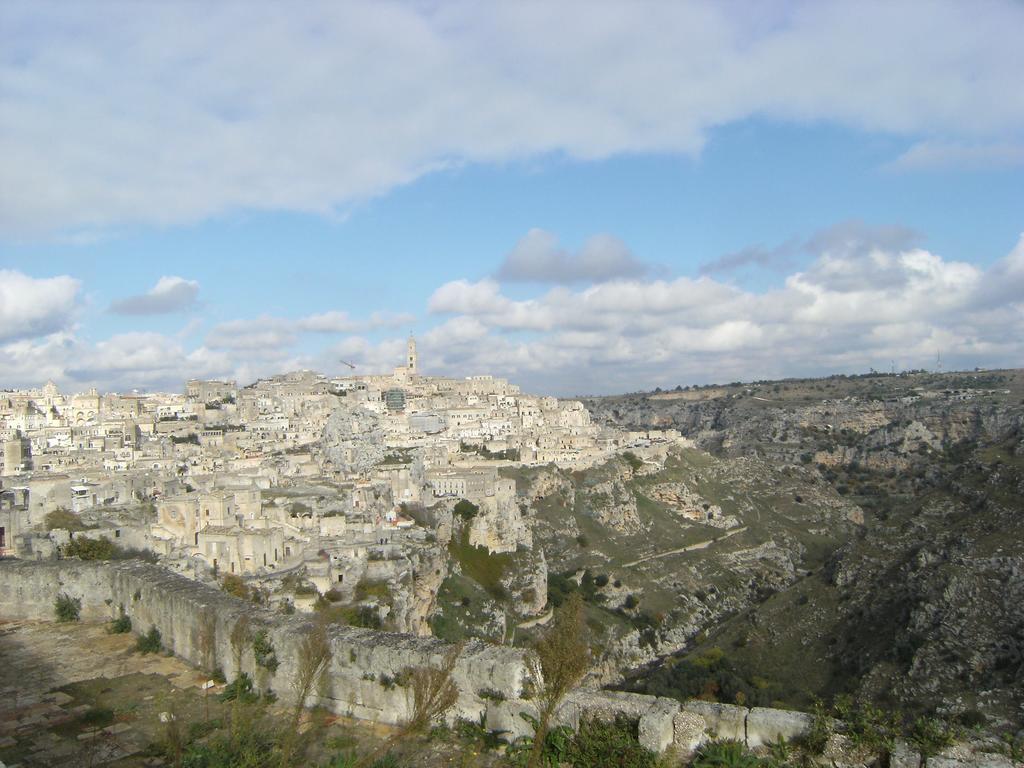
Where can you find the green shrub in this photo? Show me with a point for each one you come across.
(634, 461)
(97, 717)
(90, 549)
(601, 743)
(867, 726)
(121, 625)
(240, 688)
(264, 651)
(65, 519)
(149, 642)
(234, 585)
(727, 753)
(467, 510)
(816, 739)
(931, 735)
(376, 588)
(67, 608)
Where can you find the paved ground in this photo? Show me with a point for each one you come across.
(59, 688)
(74, 696)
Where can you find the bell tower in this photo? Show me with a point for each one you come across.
(411, 357)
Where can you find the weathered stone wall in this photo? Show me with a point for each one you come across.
(186, 612)
(360, 679)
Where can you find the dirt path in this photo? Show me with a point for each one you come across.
(690, 548)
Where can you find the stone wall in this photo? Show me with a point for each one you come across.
(363, 665)
(360, 680)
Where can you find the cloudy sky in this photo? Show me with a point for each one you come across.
(585, 197)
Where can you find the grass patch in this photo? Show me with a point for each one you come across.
(484, 568)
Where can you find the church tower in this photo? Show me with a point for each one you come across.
(411, 361)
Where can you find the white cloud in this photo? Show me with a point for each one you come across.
(263, 335)
(178, 112)
(951, 155)
(857, 305)
(170, 294)
(268, 335)
(328, 322)
(31, 307)
(861, 302)
(539, 258)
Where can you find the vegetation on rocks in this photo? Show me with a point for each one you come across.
(67, 608)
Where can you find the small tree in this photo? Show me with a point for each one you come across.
(240, 636)
(313, 657)
(433, 692)
(562, 659)
(206, 640)
(236, 586)
(67, 608)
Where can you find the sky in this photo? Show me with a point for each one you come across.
(583, 197)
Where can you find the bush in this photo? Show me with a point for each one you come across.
(727, 753)
(634, 461)
(149, 642)
(234, 585)
(98, 717)
(240, 688)
(467, 510)
(63, 518)
(121, 625)
(90, 549)
(67, 608)
(376, 588)
(264, 651)
(931, 735)
(599, 743)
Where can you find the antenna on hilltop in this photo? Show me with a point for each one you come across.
(938, 361)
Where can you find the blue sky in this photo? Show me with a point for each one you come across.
(584, 202)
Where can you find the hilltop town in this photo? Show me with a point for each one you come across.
(299, 484)
(735, 550)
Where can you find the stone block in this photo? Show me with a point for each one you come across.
(505, 717)
(688, 732)
(724, 721)
(656, 730)
(902, 755)
(771, 725)
(992, 760)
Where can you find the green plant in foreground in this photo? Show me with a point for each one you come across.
(727, 753)
(602, 742)
(931, 735)
(1013, 747)
(555, 749)
(868, 727)
(816, 739)
(67, 608)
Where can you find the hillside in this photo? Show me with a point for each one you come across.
(920, 606)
